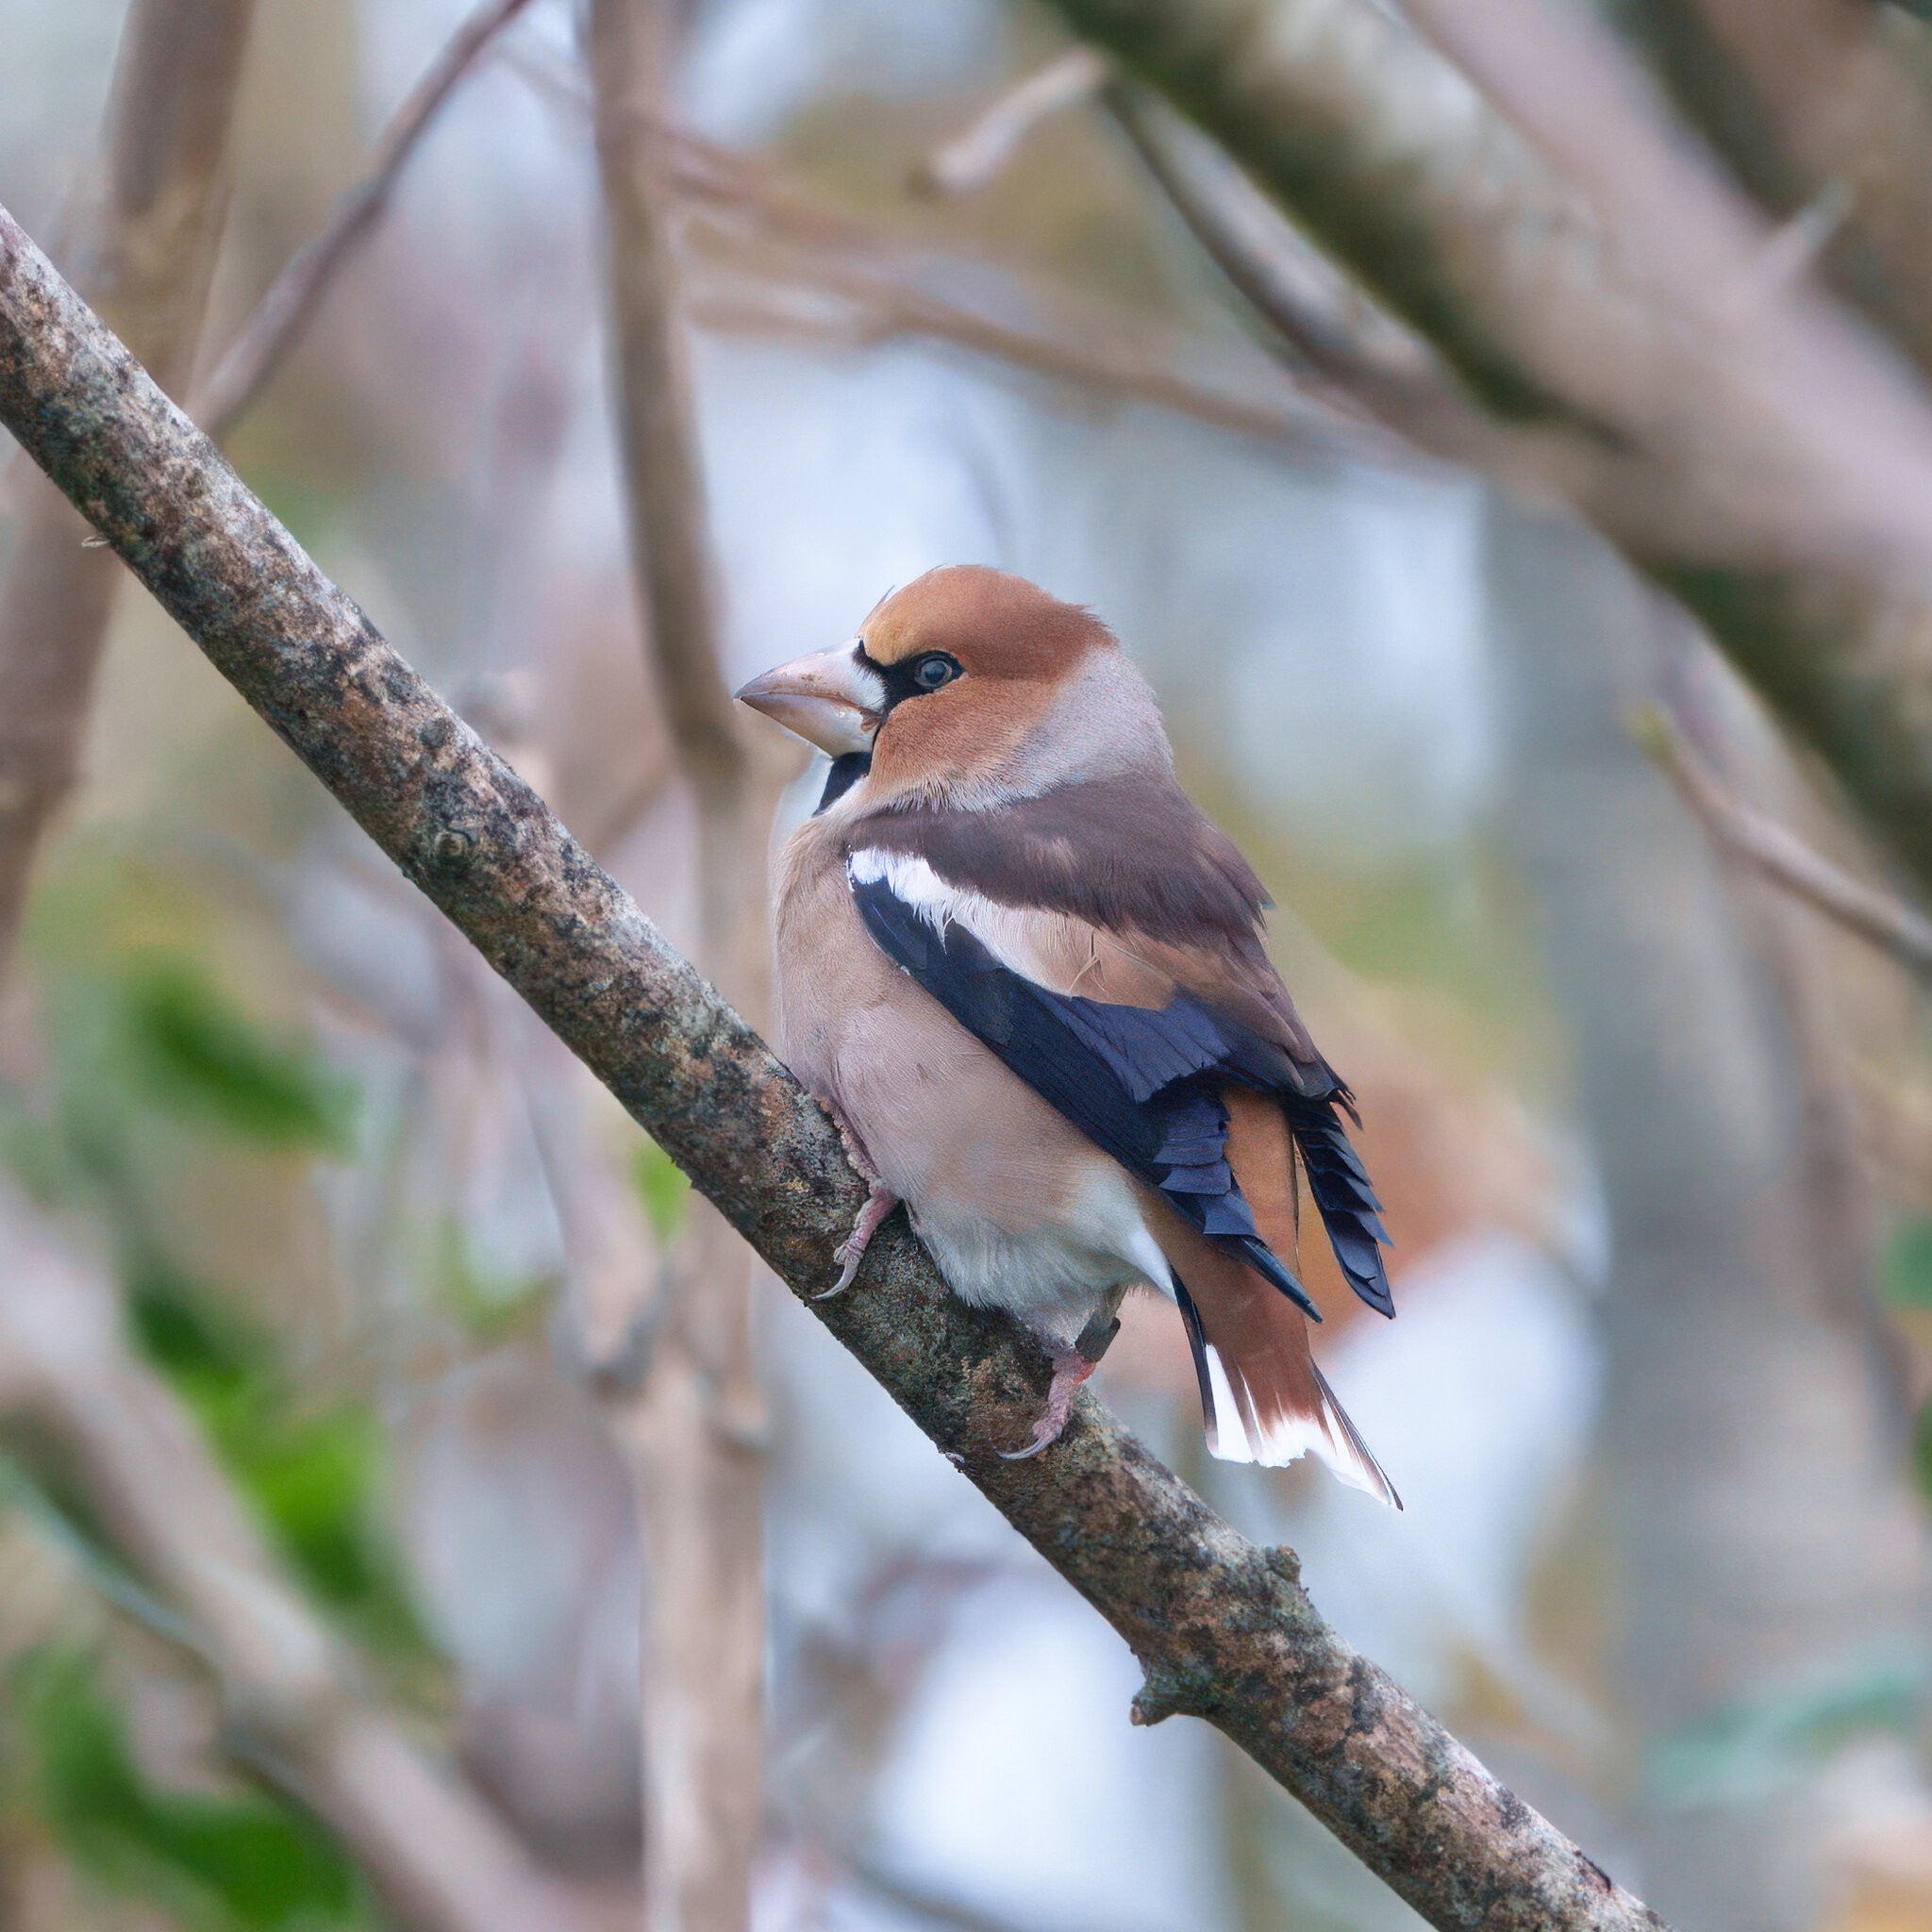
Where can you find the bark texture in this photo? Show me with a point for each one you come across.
(1222, 1628)
(148, 231)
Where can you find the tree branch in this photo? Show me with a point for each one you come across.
(1784, 461)
(1814, 109)
(1110, 359)
(145, 249)
(434, 1851)
(1328, 327)
(977, 152)
(282, 317)
(1777, 854)
(1223, 1629)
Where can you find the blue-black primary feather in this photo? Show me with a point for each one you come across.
(1144, 1084)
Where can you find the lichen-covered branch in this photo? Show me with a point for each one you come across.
(1580, 269)
(1223, 1629)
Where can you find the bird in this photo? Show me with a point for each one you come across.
(1028, 979)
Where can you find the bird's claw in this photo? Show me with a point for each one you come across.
(1070, 1369)
(851, 1252)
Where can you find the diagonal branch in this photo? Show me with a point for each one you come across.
(801, 259)
(1777, 854)
(1578, 268)
(1223, 1629)
(281, 318)
(1321, 322)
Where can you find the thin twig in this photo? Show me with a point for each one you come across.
(1325, 327)
(282, 317)
(1777, 854)
(977, 152)
(1224, 1630)
(800, 243)
(1109, 362)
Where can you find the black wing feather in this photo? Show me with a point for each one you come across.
(1143, 1085)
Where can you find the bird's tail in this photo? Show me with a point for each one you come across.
(1262, 1397)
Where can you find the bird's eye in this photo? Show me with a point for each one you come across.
(934, 670)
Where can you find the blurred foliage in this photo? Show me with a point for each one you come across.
(189, 1053)
(314, 1474)
(664, 1190)
(488, 1306)
(228, 1862)
(1906, 1273)
(154, 1062)
(1749, 1750)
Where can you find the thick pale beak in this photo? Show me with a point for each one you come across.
(829, 699)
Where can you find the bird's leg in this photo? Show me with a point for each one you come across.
(1070, 1367)
(879, 1202)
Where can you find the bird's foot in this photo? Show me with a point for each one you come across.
(1070, 1369)
(851, 1251)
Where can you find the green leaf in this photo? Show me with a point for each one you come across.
(239, 1863)
(664, 1190)
(1922, 1449)
(1905, 1271)
(190, 1052)
(314, 1474)
(1764, 1744)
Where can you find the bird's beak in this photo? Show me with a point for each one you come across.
(829, 699)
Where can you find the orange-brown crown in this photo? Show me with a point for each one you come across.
(1016, 648)
(996, 624)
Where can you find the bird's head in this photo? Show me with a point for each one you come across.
(972, 687)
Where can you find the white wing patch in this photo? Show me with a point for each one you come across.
(1022, 939)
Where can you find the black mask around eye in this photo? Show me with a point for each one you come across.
(913, 677)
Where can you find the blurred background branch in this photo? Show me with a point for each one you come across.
(1879, 917)
(1621, 300)
(142, 242)
(692, 1415)
(440, 1860)
(283, 315)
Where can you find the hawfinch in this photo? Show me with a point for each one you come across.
(1027, 977)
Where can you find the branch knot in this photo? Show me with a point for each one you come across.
(1169, 1692)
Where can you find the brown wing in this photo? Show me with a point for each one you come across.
(1130, 859)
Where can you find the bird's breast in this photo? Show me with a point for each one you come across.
(1018, 1207)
